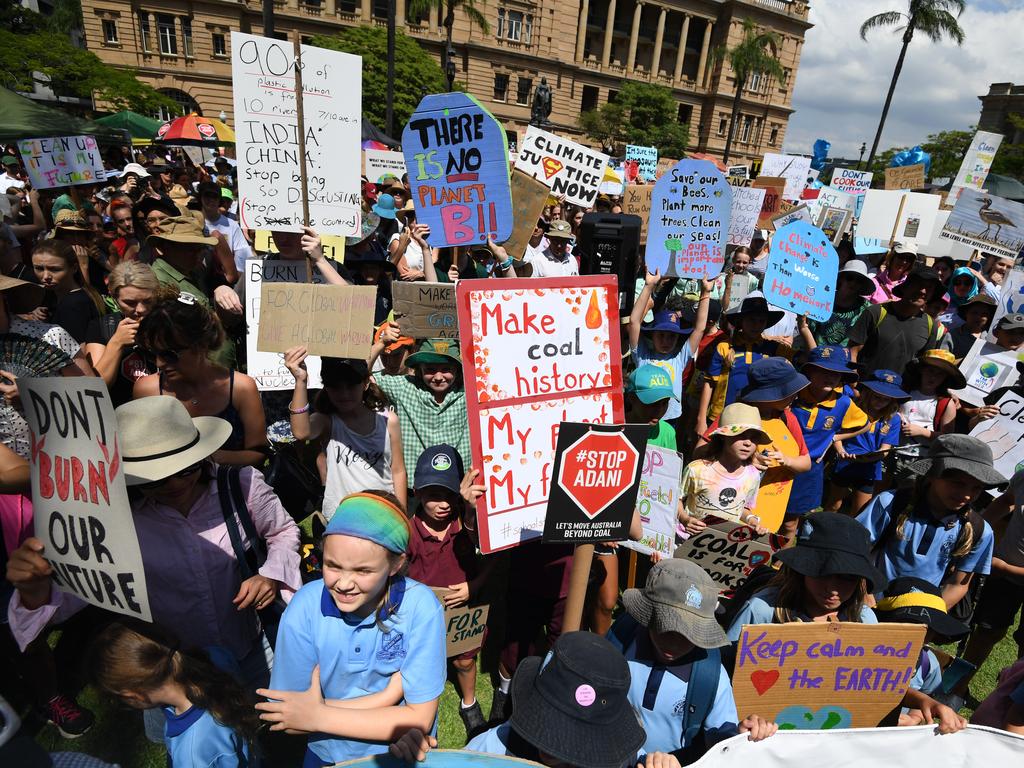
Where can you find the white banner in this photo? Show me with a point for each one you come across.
(569, 168)
(977, 162)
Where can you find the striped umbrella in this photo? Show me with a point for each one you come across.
(194, 131)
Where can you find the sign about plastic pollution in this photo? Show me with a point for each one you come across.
(817, 676)
(536, 352)
(637, 202)
(657, 501)
(569, 169)
(976, 163)
(425, 310)
(772, 204)
(1004, 434)
(905, 177)
(646, 159)
(746, 208)
(689, 221)
(988, 223)
(267, 136)
(457, 157)
(80, 502)
(378, 163)
(802, 270)
(331, 320)
(62, 161)
(529, 197)
(793, 168)
(729, 552)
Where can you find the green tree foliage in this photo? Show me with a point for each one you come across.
(1009, 160)
(416, 71)
(643, 113)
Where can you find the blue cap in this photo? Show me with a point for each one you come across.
(831, 358)
(887, 383)
(666, 320)
(770, 379)
(650, 383)
(440, 465)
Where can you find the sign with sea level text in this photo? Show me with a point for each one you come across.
(729, 552)
(266, 129)
(820, 676)
(802, 270)
(62, 161)
(657, 501)
(569, 169)
(81, 508)
(988, 223)
(329, 320)
(425, 310)
(529, 197)
(536, 352)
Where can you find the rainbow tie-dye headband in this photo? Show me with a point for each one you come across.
(373, 518)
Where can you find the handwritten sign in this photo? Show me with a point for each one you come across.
(457, 156)
(830, 197)
(772, 204)
(568, 168)
(62, 161)
(816, 676)
(689, 221)
(854, 182)
(746, 208)
(637, 202)
(333, 247)
(646, 159)
(793, 168)
(425, 310)
(379, 163)
(332, 320)
(529, 197)
(267, 148)
(657, 501)
(1004, 434)
(986, 367)
(465, 625)
(268, 368)
(536, 352)
(81, 508)
(905, 177)
(802, 271)
(729, 552)
(976, 163)
(988, 223)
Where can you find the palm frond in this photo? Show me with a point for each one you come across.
(475, 16)
(937, 24)
(419, 7)
(879, 20)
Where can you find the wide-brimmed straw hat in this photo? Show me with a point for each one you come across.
(738, 418)
(182, 229)
(961, 452)
(832, 544)
(679, 597)
(944, 360)
(159, 438)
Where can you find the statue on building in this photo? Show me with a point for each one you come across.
(541, 108)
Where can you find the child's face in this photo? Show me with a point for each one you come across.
(346, 397)
(394, 361)
(649, 413)
(740, 262)
(664, 342)
(1009, 338)
(669, 646)
(753, 325)
(824, 594)
(740, 447)
(356, 572)
(931, 377)
(438, 377)
(954, 490)
(439, 504)
(822, 382)
(976, 318)
(874, 403)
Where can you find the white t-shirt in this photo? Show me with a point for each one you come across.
(532, 252)
(236, 240)
(413, 252)
(920, 410)
(545, 265)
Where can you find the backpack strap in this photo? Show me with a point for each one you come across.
(700, 693)
(882, 315)
(227, 509)
(940, 410)
(623, 632)
(900, 499)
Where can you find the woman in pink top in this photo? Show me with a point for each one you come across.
(893, 272)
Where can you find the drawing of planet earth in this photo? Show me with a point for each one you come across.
(988, 370)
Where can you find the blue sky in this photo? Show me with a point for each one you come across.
(842, 81)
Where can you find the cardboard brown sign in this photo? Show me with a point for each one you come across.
(330, 320)
(729, 551)
(464, 626)
(905, 177)
(637, 201)
(824, 675)
(425, 310)
(774, 186)
(529, 196)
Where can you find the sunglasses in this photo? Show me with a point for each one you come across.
(187, 471)
(170, 355)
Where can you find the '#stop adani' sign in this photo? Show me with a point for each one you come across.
(597, 475)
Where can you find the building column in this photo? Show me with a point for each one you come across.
(581, 32)
(330, 8)
(704, 50)
(659, 39)
(432, 18)
(681, 53)
(366, 11)
(634, 36)
(606, 52)
(400, 14)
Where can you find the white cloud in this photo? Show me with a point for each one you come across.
(842, 80)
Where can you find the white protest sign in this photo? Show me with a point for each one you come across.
(898, 215)
(81, 508)
(267, 149)
(62, 161)
(988, 223)
(830, 197)
(268, 368)
(793, 168)
(568, 168)
(380, 162)
(853, 182)
(657, 501)
(987, 367)
(976, 164)
(1011, 295)
(939, 246)
(1004, 434)
(746, 207)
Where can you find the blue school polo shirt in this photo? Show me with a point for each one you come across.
(356, 658)
(882, 432)
(760, 609)
(194, 739)
(823, 421)
(928, 544)
(928, 673)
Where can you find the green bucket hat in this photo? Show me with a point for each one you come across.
(438, 351)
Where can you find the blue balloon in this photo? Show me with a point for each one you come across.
(913, 156)
(820, 154)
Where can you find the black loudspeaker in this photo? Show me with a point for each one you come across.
(609, 244)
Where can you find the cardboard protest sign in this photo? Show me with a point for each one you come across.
(596, 479)
(689, 221)
(988, 223)
(81, 509)
(637, 202)
(897, 216)
(568, 168)
(812, 676)
(802, 271)
(729, 552)
(646, 159)
(267, 135)
(657, 500)
(848, 180)
(457, 157)
(976, 163)
(1004, 434)
(987, 367)
(536, 352)
(268, 368)
(331, 320)
(747, 203)
(62, 161)
(905, 177)
(333, 247)
(529, 197)
(773, 187)
(465, 625)
(425, 310)
(791, 215)
(793, 168)
(378, 163)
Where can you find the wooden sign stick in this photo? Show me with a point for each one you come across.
(896, 226)
(300, 119)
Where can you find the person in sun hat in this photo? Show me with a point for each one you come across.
(853, 286)
(211, 200)
(648, 395)
(669, 626)
(894, 270)
(557, 259)
(973, 319)
(930, 411)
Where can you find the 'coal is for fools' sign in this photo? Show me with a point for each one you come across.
(82, 514)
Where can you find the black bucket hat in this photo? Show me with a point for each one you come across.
(963, 452)
(910, 600)
(922, 274)
(574, 705)
(831, 544)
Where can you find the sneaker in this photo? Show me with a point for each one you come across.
(473, 718)
(71, 719)
(499, 708)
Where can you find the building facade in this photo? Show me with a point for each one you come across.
(1001, 101)
(584, 48)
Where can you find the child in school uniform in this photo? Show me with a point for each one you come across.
(365, 638)
(649, 393)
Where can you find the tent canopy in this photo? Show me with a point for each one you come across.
(372, 133)
(138, 126)
(26, 119)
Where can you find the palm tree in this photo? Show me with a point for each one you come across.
(754, 55)
(934, 18)
(448, 8)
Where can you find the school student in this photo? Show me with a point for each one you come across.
(649, 392)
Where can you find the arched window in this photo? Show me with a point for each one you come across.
(185, 104)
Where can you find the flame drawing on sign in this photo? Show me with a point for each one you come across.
(593, 316)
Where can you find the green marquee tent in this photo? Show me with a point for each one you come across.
(141, 128)
(22, 118)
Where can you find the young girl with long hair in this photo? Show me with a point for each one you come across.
(57, 268)
(930, 411)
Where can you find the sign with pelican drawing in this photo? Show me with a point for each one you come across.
(988, 223)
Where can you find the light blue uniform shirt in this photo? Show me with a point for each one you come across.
(927, 680)
(194, 739)
(357, 658)
(493, 741)
(760, 609)
(673, 365)
(927, 545)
